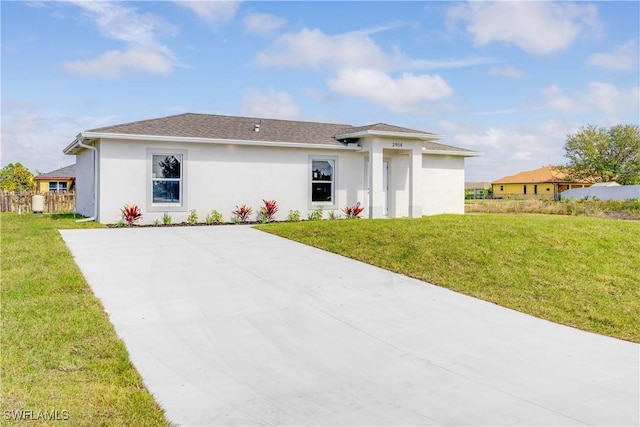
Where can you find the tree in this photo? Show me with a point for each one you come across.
(603, 155)
(15, 177)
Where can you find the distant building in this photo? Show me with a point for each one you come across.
(543, 183)
(62, 179)
(477, 190)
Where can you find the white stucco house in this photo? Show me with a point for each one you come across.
(198, 161)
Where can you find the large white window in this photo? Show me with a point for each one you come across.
(323, 181)
(166, 180)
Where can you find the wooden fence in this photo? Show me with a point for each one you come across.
(54, 202)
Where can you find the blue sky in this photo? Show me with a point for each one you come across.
(508, 79)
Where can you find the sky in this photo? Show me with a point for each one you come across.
(508, 79)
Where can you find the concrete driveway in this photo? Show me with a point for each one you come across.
(232, 326)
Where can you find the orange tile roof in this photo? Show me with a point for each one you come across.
(545, 174)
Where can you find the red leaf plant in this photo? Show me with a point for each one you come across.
(268, 211)
(353, 211)
(131, 214)
(242, 213)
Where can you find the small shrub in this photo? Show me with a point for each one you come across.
(354, 211)
(316, 215)
(131, 214)
(192, 219)
(242, 213)
(156, 223)
(333, 216)
(268, 211)
(166, 219)
(119, 224)
(293, 216)
(214, 217)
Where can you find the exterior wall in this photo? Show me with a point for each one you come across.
(84, 183)
(623, 192)
(442, 184)
(222, 176)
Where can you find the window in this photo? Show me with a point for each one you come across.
(58, 186)
(535, 189)
(167, 183)
(322, 181)
(525, 189)
(502, 188)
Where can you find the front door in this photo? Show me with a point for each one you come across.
(385, 188)
(385, 185)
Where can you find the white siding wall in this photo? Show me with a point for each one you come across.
(443, 184)
(223, 176)
(85, 198)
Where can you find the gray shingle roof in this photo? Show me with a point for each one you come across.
(228, 127)
(386, 128)
(65, 172)
(243, 129)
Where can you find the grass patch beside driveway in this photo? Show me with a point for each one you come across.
(61, 359)
(577, 271)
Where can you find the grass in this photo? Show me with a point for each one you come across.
(60, 355)
(577, 271)
(627, 209)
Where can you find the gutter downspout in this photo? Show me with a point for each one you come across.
(95, 179)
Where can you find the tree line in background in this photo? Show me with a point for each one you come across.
(600, 154)
(596, 154)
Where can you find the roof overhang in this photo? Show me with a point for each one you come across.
(452, 153)
(52, 178)
(74, 147)
(390, 134)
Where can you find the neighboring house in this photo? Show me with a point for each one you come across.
(544, 183)
(197, 161)
(62, 179)
(605, 191)
(477, 190)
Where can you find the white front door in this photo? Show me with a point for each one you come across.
(385, 185)
(385, 188)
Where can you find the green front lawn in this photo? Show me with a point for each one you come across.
(578, 271)
(60, 356)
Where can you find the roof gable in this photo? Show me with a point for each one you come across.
(65, 172)
(544, 174)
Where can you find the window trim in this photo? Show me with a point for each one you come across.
(58, 184)
(310, 180)
(166, 207)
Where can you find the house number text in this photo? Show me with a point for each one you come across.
(396, 144)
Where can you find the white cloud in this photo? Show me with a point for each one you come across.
(603, 100)
(623, 57)
(363, 69)
(212, 10)
(139, 32)
(511, 149)
(36, 137)
(275, 105)
(314, 48)
(535, 26)
(263, 24)
(126, 24)
(115, 63)
(405, 93)
(506, 72)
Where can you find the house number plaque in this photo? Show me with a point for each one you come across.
(396, 144)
